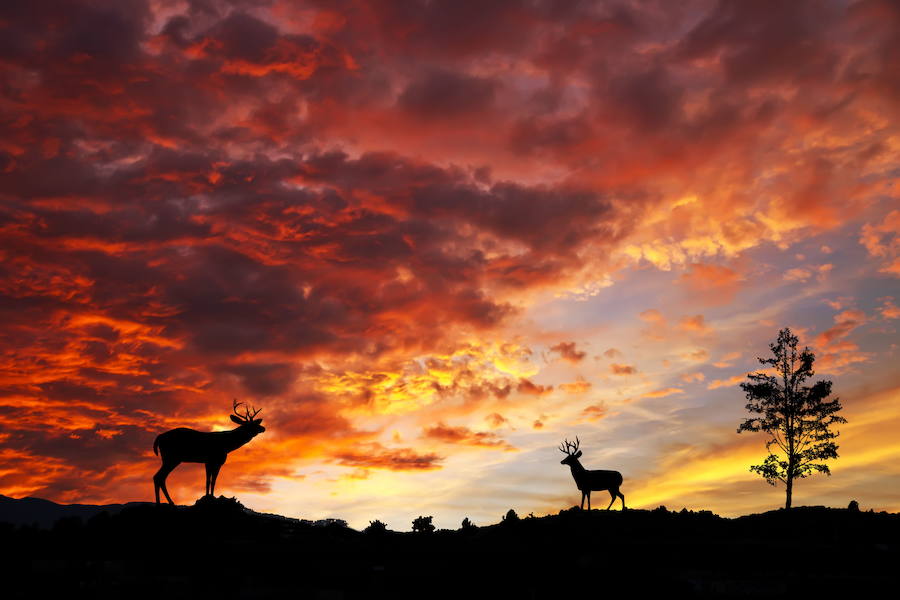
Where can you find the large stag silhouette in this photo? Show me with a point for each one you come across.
(209, 447)
(590, 481)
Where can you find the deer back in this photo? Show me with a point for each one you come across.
(599, 480)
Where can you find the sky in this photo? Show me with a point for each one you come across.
(430, 240)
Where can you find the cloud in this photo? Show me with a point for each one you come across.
(617, 369)
(376, 456)
(652, 315)
(569, 352)
(465, 436)
(579, 386)
(846, 321)
(698, 355)
(711, 284)
(803, 274)
(730, 381)
(663, 392)
(727, 360)
(881, 241)
(595, 412)
(526, 386)
(496, 420)
(888, 309)
(440, 94)
(695, 323)
(835, 353)
(693, 377)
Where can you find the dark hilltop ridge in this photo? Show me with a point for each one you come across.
(217, 548)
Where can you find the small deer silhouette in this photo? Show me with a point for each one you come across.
(590, 481)
(209, 447)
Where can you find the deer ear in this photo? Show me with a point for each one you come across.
(236, 420)
(578, 454)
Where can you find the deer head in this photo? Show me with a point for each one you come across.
(247, 420)
(571, 451)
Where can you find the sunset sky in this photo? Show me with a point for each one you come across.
(431, 239)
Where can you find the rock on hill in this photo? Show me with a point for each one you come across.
(219, 549)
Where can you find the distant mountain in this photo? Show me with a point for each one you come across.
(44, 513)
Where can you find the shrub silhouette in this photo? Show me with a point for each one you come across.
(423, 524)
(853, 506)
(376, 527)
(510, 516)
(468, 525)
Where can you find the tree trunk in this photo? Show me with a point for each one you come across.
(789, 491)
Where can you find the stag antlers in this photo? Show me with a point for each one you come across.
(246, 417)
(569, 448)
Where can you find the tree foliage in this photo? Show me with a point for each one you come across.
(376, 527)
(510, 516)
(423, 525)
(798, 417)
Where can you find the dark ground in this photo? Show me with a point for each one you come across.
(217, 549)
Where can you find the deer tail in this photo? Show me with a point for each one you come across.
(156, 445)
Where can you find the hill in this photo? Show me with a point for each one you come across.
(44, 513)
(219, 549)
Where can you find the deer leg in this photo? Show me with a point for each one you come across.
(622, 496)
(159, 480)
(212, 483)
(613, 499)
(589, 499)
(209, 468)
(582, 500)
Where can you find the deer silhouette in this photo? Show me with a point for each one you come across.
(209, 447)
(590, 481)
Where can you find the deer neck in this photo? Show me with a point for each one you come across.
(577, 469)
(236, 438)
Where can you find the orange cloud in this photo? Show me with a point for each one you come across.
(595, 412)
(727, 360)
(580, 386)
(663, 392)
(711, 284)
(376, 456)
(526, 386)
(730, 381)
(883, 242)
(463, 435)
(617, 369)
(695, 324)
(569, 352)
(888, 309)
(693, 377)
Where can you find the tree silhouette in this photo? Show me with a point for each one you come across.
(376, 527)
(422, 525)
(468, 525)
(796, 416)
